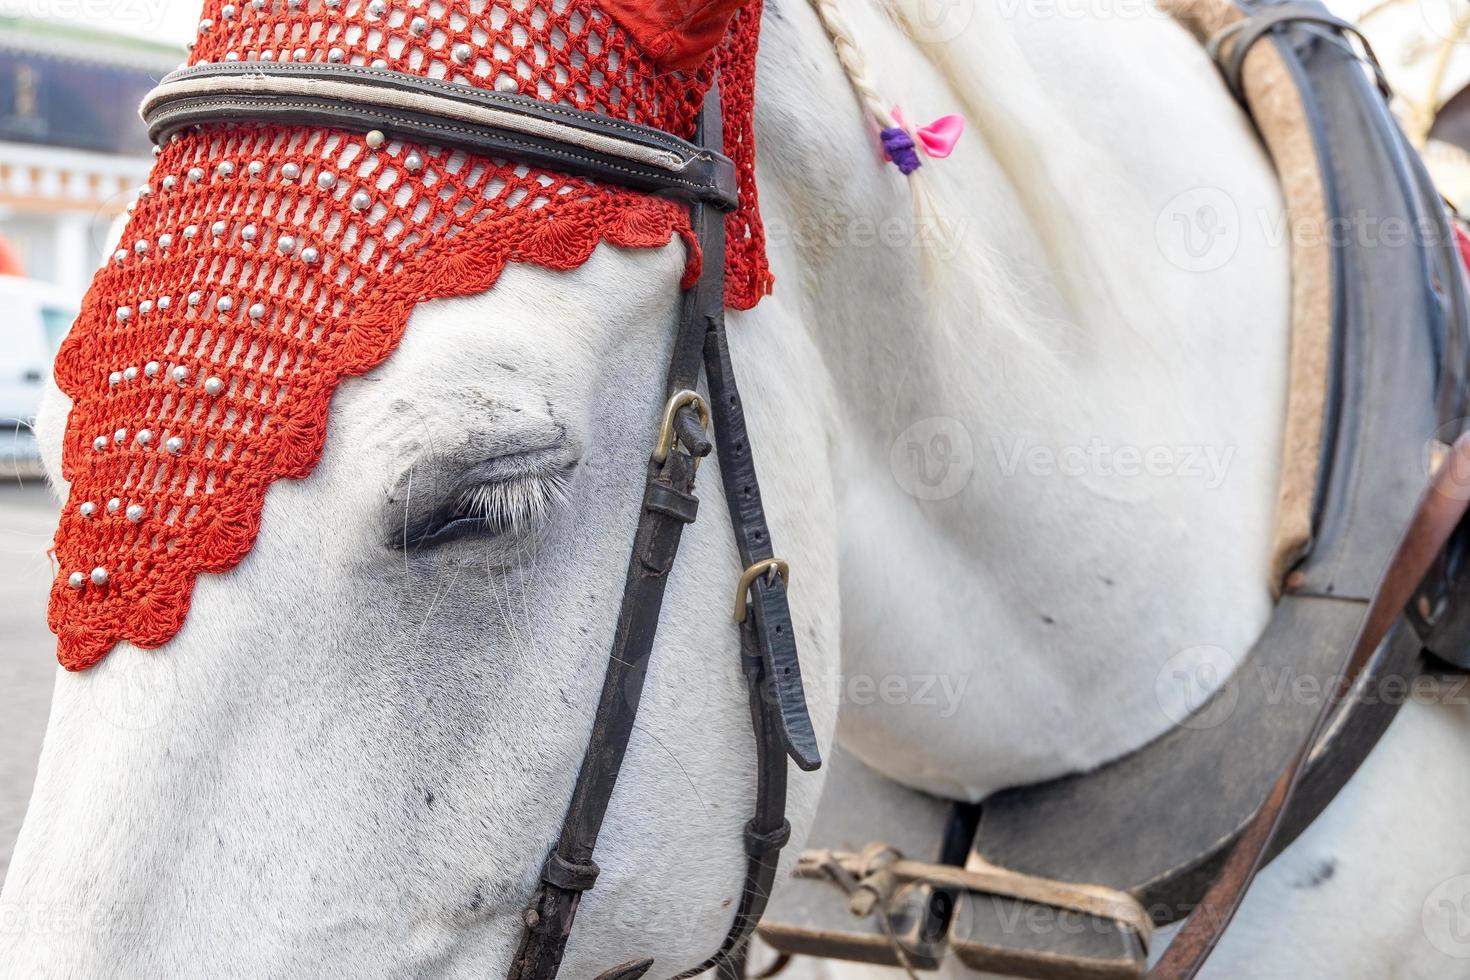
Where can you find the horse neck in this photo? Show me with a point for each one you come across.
(957, 372)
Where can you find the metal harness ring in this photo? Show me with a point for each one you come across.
(769, 567)
(666, 435)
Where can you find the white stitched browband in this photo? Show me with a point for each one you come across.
(366, 93)
(441, 113)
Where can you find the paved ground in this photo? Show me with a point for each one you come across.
(27, 650)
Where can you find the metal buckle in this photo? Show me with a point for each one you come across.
(666, 436)
(771, 567)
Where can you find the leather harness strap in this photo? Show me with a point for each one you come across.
(768, 649)
(1440, 511)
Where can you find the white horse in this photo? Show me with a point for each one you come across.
(353, 758)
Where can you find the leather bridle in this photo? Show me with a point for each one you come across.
(412, 108)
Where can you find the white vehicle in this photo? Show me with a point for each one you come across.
(36, 315)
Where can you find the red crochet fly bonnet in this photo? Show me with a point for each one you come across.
(264, 264)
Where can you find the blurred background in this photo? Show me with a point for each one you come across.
(73, 153)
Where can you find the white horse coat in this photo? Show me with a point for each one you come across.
(1023, 484)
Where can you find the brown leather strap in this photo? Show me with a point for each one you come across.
(1439, 512)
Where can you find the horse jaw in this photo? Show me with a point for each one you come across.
(354, 757)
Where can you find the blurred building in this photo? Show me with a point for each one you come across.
(72, 149)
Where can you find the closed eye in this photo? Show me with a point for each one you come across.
(512, 506)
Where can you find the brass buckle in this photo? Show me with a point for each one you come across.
(666, 436)
(771, 567)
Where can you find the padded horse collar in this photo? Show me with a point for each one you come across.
(408, 107)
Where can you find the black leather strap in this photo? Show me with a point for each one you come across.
(768, 648)
(432, 111)
(1243, 35)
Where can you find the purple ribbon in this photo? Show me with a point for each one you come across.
(901, 150)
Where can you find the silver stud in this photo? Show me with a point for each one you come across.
(418, 26)
(145, 306)
(195, 298)
(170, 182)
(115, 378)
(218, 229)
(76, 580)
(380, 63)
(120, 436)
(361, 201)
(507, 84)
(190, 231)
(376, 8)
(326, 180)
(258, 4)
(213, 386)
(158, 151)
(100, 443)
(151, 368)
(134, 512)
(99, 576)
(413, 163)
(119, 256)
(255, 169)
(144, 437)
(290, 171)
(309, 255)
(224, 304)
(375, 139)
(195, 174)
(225, 169)
(462, 53)
(336, 55)
(180, 374)
(114, 505)
(88, 509)
(205, 25)
(257, 311)
(123, 312)
(227, 11)
(130, 374)
(267, 56)
(164, 241)
(164, 302)
(299, 54)
(285, 244)
(174, 445)
(144, 192)
(247, 234)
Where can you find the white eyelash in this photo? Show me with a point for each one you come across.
(517, 504)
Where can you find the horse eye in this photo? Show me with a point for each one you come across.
(512, 506)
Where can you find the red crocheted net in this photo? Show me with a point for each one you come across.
(262, 265)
